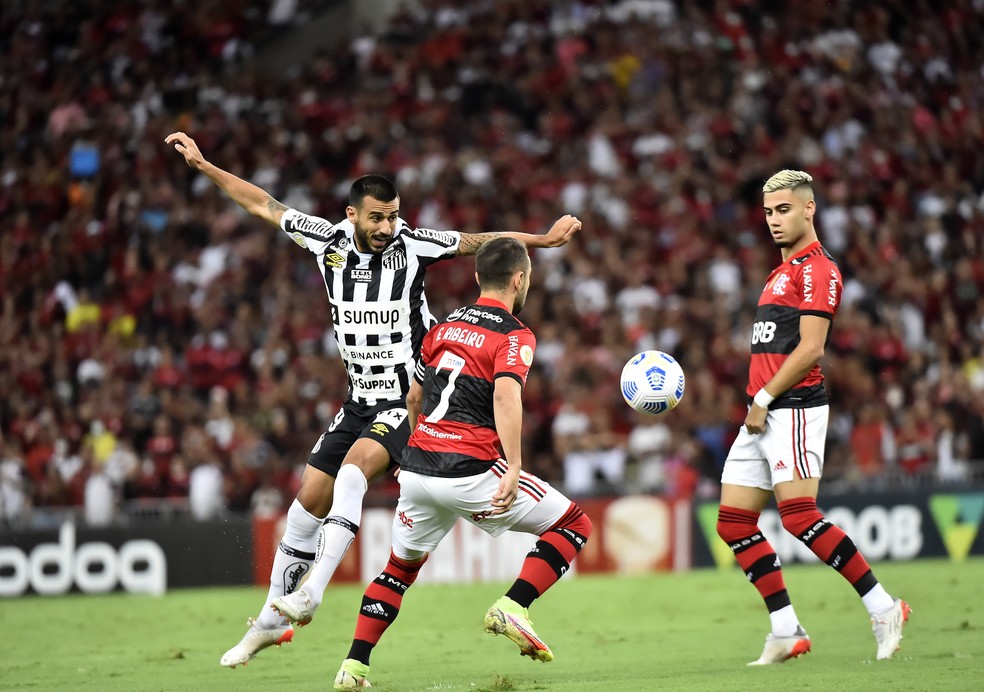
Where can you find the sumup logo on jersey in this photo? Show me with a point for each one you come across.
(378, 317)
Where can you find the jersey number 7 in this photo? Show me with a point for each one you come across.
(455, 364)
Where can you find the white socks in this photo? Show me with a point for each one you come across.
(784, 621)
(339, 529)
(877, 600)
(292, 560)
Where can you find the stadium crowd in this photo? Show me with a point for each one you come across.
(155, 342)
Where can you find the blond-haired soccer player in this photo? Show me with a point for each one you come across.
(779, 450)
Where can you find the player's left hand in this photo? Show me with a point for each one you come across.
(755, 420)
(562, 231)
(505, 496)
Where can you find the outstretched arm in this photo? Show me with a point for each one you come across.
(253, 199)
(561, 232)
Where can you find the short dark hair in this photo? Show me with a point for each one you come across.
(497, 260)
(375, 186)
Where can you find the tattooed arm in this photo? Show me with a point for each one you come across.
(250, 197)
(561, 232)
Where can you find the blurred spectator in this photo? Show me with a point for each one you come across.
(100, 500)
(14, 488)
(100, 441)
(592, 453)
(141, 306)
(915, 439)
(205, 491)
(872, 441)
(647, 446)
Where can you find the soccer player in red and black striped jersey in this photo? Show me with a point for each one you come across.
(780, 449)
(464, 460)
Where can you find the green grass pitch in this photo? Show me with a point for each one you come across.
(691, 632)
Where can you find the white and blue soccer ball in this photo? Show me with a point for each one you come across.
(653, 382)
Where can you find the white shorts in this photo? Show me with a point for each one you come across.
(794, 438)
(430, 505)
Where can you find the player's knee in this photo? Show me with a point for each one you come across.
(733, 528)
(799, 515)
(315, 495)
(727, 530)
(582, 526)
(578, 524)
(406, 555)
(351, 478)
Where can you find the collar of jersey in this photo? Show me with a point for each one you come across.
(804, 252)
(349, 229)
(491, 303)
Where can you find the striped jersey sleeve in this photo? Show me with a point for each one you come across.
(310, 232)
(430, 245)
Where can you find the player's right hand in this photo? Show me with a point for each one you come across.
(755, 420)
(508, 490)
(186, 146)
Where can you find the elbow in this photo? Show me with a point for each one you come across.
(414, 400)
(257, 210)
(504, 401)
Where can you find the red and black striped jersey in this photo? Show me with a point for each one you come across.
(460, 360)
(807, 284)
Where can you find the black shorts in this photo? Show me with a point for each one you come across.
(385, 423)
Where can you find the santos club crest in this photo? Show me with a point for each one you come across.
(394, 258)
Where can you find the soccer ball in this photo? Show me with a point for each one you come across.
(652, 382)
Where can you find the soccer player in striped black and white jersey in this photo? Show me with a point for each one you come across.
(373, 265)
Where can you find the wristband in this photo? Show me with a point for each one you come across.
(763, 398)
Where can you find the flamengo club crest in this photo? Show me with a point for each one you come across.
(779, 287)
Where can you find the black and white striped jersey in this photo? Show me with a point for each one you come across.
(377, 302)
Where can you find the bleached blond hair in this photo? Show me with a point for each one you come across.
(790, 180)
